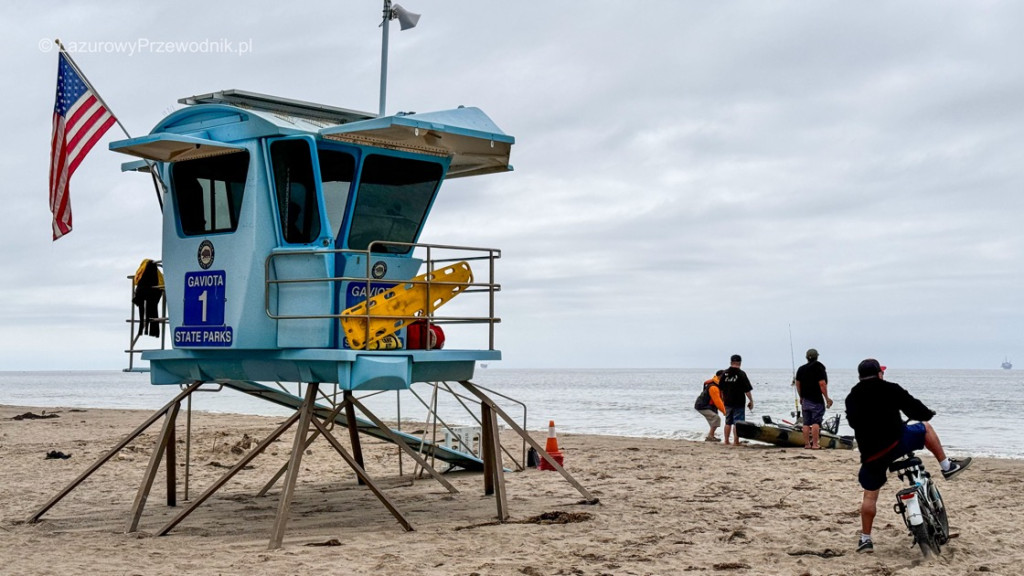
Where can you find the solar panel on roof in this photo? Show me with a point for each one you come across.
(276, 104)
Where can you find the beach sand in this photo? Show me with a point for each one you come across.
(666, 507)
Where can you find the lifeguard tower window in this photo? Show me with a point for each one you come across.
(208, 192)
(392, 201)
(295, 185)
(337, 169)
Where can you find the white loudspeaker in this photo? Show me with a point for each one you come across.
(406, 19)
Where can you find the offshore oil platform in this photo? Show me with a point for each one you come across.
(292, 271)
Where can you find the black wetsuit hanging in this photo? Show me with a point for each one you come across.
(149, 289)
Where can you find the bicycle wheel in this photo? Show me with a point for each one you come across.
(931, 531)
(942, 520)
(920, 532)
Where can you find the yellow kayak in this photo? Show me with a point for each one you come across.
(785, 435)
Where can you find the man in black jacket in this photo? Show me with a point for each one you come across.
(873, 409)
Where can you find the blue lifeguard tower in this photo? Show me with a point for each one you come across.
(282, 215)
(291, 254)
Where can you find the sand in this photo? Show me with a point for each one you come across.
(666, 507)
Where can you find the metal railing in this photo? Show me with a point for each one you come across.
(436, 256)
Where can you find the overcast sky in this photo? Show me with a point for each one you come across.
(692, 179)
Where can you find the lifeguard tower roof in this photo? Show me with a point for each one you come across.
(469, 137)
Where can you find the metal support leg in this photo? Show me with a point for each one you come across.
(403, 446)
(230, 473)
(305, 415)
(353, 431)
(188, 444)
(486, 444)
(309, 441)
(493, 453)
(154, 464)
(484, 399)
(361, 473)
(172, 463)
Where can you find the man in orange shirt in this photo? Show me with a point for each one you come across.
(711, 398)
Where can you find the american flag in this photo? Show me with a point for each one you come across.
(79, 120)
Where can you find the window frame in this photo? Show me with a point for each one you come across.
(357, 155)
(325, 235)
(233, 201)
(440, 163)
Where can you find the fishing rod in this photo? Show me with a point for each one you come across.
(792, 382)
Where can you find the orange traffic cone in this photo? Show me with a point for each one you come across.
(552, 449)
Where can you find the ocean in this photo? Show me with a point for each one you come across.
(977, 410)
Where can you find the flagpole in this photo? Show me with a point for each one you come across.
(407, 20)
(152, 167)
(385, 25)
(91, 87)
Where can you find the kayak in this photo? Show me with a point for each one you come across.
(787, 435)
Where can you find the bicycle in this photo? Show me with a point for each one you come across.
(921, 505)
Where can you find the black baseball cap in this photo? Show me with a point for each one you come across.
(869, 367)
(735, 358)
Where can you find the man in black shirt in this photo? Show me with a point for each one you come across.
(734, 385)
(873, 409)
(812, 385)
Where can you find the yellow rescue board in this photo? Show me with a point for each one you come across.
(408, 300)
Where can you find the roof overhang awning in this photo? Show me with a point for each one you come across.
(474, 143)
(172, 147)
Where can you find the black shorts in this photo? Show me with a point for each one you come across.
(873, 474)
(734, 414)
(814, 412)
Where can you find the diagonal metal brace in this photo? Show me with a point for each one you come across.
(529, 440)
(110, 454)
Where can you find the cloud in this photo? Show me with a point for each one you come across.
(691, 179)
